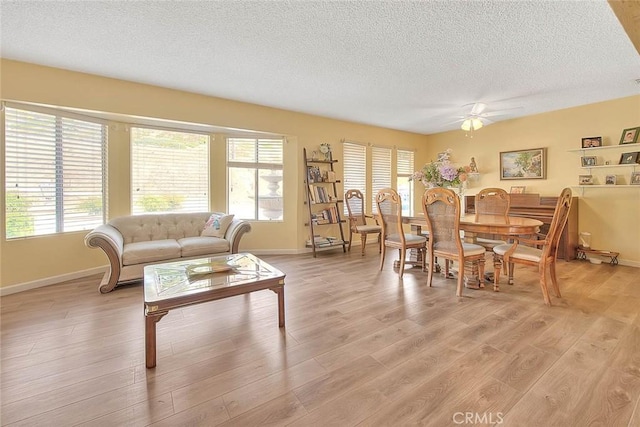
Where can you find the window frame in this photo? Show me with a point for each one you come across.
(381, 168)
(256, 166)
(354, 169)
(403, 172)
(200, 207)
(69, 134)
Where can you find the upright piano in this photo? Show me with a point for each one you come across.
(542, 208)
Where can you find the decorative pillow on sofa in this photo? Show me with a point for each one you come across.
(217, 225)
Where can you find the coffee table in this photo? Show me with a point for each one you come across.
(182, 283)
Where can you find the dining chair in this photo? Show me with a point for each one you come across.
(545, 257)
(441, 208)
(358, 220)
(492, 201)
(393, 235)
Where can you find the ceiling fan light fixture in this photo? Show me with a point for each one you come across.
(471, 124)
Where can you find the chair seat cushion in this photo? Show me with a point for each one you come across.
(522, 252)
(410, 239)
(368, 229)
(469, 249)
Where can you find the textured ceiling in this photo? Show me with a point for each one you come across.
(414, 66)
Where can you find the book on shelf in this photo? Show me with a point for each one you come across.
(314, 174)
(319, 195)
(320, 241)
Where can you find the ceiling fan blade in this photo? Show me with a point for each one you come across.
(478, 108)
(501, 112)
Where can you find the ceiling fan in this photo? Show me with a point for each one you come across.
(473, 121)
(478, 116)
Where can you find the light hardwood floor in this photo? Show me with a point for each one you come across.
(360, 347)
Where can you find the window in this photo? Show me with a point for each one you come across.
(354, 169)
(254, 169)
(169, 171)
(405, 165)
(380, 172)
(55, 169)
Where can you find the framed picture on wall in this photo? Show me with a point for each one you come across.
(629, 158)
(588, 161)
(592, 141)
(524, 164)
(585, 179)
(630, 136)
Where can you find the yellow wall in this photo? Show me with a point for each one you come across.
(37, 258)
(610, 214)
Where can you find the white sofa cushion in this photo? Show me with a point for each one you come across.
(216, 225)
(193, 246)
(150, 251)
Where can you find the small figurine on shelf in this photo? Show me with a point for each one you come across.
(473, 168)
(326, 150)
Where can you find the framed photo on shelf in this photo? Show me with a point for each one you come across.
(610, 180)
(517, 189)
(635, 178)
(524, 164)
(588, 161)
(585, 179)
(592, 141)
(629, 158)
(630, 136)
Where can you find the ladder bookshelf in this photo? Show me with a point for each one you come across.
(323, 203)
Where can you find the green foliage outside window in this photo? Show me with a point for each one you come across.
(92, 206)
(19, 222)
(164, 203)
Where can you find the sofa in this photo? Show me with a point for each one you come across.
(132, 242)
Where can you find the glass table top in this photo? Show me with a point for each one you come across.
(173, 279)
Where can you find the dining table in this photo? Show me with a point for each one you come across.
(508, 228)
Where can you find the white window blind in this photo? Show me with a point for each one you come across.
(169, 171)
(355, 169)
(380, 172)
(254, 168)
(405, 168)
(55, 172)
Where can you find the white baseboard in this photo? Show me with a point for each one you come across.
(275, 251)
(40, 283)
(626, 262)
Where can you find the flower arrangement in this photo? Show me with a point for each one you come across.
(442, 173)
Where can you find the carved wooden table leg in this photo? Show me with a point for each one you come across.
(150, 320)
(470, 272)
(497, 265)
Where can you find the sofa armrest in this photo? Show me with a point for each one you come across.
(236, 230)
(110, 240)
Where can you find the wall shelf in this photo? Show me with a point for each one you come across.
(630, 165)
(591, 151)
(604, 147)
(608, 187)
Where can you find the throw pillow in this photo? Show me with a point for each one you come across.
(217, 225)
